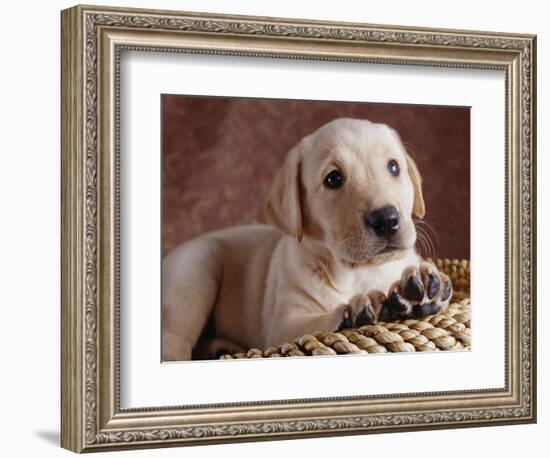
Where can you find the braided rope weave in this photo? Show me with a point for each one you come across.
(449, 330)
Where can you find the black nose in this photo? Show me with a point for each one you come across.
(384, 221)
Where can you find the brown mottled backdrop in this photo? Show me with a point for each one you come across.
(220, 155)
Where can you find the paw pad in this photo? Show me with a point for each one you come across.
(362, 310)
(419, 293)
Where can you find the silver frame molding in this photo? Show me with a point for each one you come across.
(92, 40)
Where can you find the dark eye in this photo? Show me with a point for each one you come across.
(393, 167)
(334, 180)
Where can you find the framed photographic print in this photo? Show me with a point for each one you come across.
(277, 228)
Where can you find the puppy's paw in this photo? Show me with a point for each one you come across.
(362, 309)
(421, 292)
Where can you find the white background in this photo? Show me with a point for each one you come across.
(29, 242)
(146, 383)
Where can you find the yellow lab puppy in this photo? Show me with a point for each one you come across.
(339, 251)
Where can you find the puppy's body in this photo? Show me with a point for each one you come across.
(333, 252)
(223, 273)
(308, 289)
(264, 288)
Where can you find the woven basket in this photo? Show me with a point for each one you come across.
(449, 330)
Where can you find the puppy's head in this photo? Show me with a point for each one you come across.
(352, 186)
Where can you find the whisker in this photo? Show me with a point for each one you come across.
(430, 247)
(429, 233)
(420, 240)
(429, 227)
(425, 241)
(430, 242)
(419, 244)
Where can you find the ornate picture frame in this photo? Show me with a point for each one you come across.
(92, 41)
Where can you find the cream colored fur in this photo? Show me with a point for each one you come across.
(267, 284)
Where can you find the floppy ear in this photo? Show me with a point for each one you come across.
(419, 209)
(283, 208)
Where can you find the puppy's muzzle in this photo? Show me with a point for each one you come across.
(383, 221)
